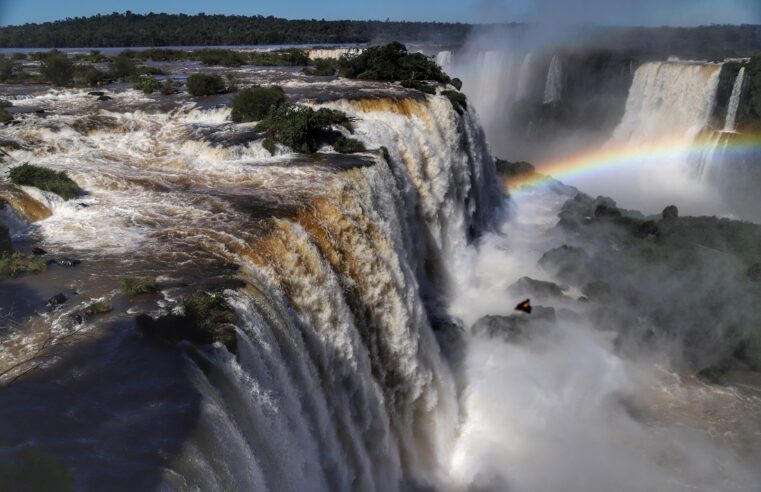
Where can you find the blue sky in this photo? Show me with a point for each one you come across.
(639, 12)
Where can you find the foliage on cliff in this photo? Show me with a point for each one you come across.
(391, 62)
(256, 103)
(57, 182)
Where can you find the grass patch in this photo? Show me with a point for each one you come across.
(148, 86)
(99, 307)
(57, 182)
(348, 145)
(138, 287)
(15, 264)
(205, 85)
(257, 103)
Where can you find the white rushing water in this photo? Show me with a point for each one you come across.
(730, 124)
(553, 89)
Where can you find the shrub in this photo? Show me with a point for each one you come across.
(391, 62)
(291, 57)
(99, 307)
(256, 103)
(301, 128)
(421, 86)
(123, 67)
(325, 67)
(148, 86)
(205, 85)
(57, 69)
(269, 146)
(138, 287)
(215, 56)
(232, 82)
(7, 69)
(57, 182)
(14, 264)
(89, 75)
(167, 88)
(5, 116)
(207, 319)
(457, 83)
(458, 100)
(348, 145)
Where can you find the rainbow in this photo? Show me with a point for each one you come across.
(610, 156)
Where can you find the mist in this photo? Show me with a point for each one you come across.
(582, 402)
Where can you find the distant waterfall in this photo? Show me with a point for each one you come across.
(445, 60)
(554, 87)
(668, 100)
(524, 78)
(730, 125)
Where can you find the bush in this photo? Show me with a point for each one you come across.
(14, 264)
(256, 103)
(7, 69)
(291, 57)
(205, 85)
(148, 86)
(58, 69)
(232, 82)
(391, 62)
(348, 145)
(139, 287)
(269, 146)
(215, 56)
(5, 116)
(123, 68)
(207, 319)
(301, 128)
(99, 307)
(57, 182)
(325, 67)
(458, 100)
(167, 88)
(89, 75)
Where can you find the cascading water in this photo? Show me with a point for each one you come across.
(445, 59)
(553, 89)
(730, 124)
(339, 382)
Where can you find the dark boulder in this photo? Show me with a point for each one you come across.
(96, 93)
(526, 286)
(39, 252)
(754, 273)
(646, 228)
(5, 240)
(597, 291)
(104, 98)
(670, 212)
(64, 262)
(606, 211)
(56, 301)
(567, 263)
(516, 328)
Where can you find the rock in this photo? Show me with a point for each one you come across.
(515, 328)
(567, 263)
(597, 291)
(56, 301)
(39, 252)
(754, 273)
(647, 228)
(5, 240)
(606, 211)
(670, 212)
(230, 267)
(64, 262)
(526, 286)
(96, 93)
(104, 98)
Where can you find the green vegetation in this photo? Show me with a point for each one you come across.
(420, 86)
(301, 128)
(57, 69)
(348, 145)
(99, 307)
(257, 103)
(13, 264)
(207, 318)
(129, 29)
(458, 100)
(46, 179)
(269, 146)
(205, 85)
(392, 62)
(167, 88)
(290, 57)
(138, 287)
(122, 68)
(87, 75)
(5, 116)
(232, 83)
(326, 67)
(148, 86)
(214, 56)
(33, 470)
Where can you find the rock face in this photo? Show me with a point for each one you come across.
(516, 328)
(670, 212)
(567, 263)
(56, 301)
(526, 286)
(5, 240)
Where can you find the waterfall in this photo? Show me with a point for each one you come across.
(524, 78)
(553, 89)
(445, 59)
(332, 53)
(730, 125)
(339, 382)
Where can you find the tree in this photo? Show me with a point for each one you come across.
(58, 69)
(256, 103)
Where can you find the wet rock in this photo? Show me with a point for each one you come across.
(96, 93)
(597, 291)
(5, 240)
(56, 301)
(606, 211)
(647, 228)
(39, 252)
(516, 328)
(64, 262)
(104, 98)
(670, 212)
(567, 263)
(526, 286)
(754, 273)
(230, 267)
